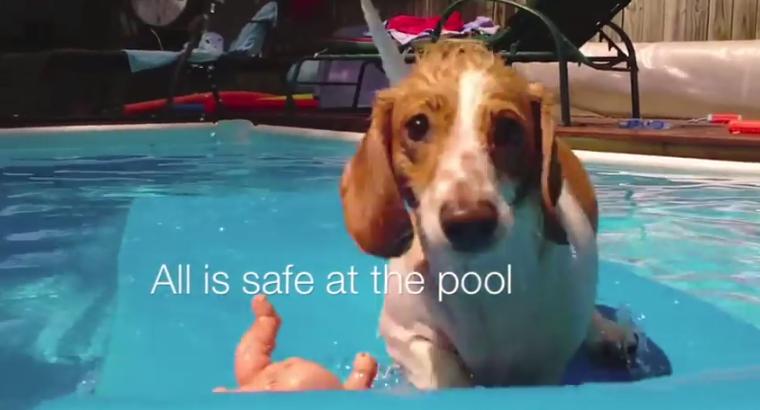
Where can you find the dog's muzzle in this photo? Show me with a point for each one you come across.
(469, 227)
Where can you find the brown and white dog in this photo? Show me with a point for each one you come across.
(460, 172)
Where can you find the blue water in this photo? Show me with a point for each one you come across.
(87, 219)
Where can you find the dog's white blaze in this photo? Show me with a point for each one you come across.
(464, 159)
(471, 87)
(464, 137)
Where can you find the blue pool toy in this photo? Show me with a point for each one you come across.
(639, 123)
(648, 361)
(176, 348)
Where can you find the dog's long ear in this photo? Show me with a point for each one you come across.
(373, 208)
(551, 169)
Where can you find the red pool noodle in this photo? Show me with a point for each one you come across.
(744, 127)
(724, 118)
(233, 100)
(242, 101)
(156, 105)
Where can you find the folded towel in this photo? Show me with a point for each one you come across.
(404, 38)
(405, 34)
(417, 25)
(481, 24)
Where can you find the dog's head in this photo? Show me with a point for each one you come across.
(460, 143)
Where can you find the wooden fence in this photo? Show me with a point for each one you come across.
(643, 20)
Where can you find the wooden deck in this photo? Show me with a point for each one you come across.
(683, 139)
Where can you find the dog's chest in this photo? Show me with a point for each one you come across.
(537, 321)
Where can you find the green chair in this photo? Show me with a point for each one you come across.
(540, 31)
(554, 30)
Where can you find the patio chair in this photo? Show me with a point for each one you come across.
(205, 50)
(269, 40)
(569, 25)
(540, 31)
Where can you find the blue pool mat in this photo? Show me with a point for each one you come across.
(167, 348)
(649, 361)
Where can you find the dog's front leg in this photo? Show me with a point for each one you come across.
(435, 367)
(611, 341)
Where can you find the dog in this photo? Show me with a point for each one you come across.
(459, 172)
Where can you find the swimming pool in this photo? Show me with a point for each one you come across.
(89, 216)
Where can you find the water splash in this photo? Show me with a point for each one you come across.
(87, 385)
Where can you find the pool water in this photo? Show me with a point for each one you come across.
(697, 234)
(88, 219)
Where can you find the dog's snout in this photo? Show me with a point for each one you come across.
(469, 227)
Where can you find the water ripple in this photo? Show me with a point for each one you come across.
(700, 235)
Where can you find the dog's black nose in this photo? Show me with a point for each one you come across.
(469, 227)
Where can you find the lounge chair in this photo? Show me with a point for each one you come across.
(541, 31)
(205, 49)
(268, 41)
(569, 25)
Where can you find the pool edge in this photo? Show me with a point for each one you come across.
(675, 163)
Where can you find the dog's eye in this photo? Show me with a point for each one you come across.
(417, 127)
(507, 131)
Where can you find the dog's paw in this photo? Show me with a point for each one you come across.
(613, 343)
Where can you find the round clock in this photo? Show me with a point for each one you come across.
(161, 13)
